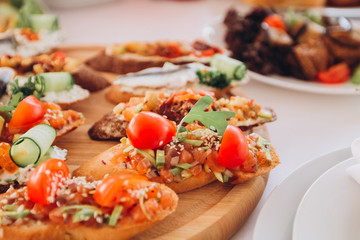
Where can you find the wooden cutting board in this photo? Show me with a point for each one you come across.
(215, 211)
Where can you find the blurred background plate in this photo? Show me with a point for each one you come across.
(214, 32)
(330, 209)
(275, 223)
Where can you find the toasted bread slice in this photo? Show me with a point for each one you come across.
(33, 226)
(117, 159)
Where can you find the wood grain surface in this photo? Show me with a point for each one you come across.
(215, 211)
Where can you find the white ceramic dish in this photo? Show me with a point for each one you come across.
(275, 219)
(215, 32)
(306, 86)
(350, 12)
(330, 209)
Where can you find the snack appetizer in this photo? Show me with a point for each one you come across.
(20, 115)
(303, 44)
(188, 156)
(55, 206)
(26, 30)
(27, 133)
(222, 74)
(113, 125)
(83, 75)
(135, 56)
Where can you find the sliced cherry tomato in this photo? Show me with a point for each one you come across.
(29, 112)
(234, 149)
(174, 51)
(59, 55)
(275, 20)
(204, 93)
(44, 180)
(148, 130)
(208, 52)
(113, 188)
(338, 73)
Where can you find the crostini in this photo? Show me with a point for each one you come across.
(201, 148)
(220, 77)
(55, 206)
(134, 56)
(113, 125)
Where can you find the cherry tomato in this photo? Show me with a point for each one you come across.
(275, 20)
(59, 55)
(148, 130)
(114, 187)
(338, 73)
(204, 93)
(44, 180)
(234, 149)
(29, 112)
(174, 51)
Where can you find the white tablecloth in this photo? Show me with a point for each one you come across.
(308, 124)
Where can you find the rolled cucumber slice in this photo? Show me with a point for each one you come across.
(53, 82)
(234, 69)
(44, 22)
(31, 146)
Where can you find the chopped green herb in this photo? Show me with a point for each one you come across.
(82, 215)
(115, 215)
(184, 165)
(175, 171)
(128, 149)
(9, 207)
(160, 158)
(225, 178)
(194, 142)
(146, 155)
(15, 214)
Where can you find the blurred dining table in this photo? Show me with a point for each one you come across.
(308, 124)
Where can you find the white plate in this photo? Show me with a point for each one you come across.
(276, 216)
(306, 86)
(330, 209)
(350, 12)
(215, 32)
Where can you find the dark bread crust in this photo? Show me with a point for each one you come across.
(106, 63)
(109, 127)
(89, 79)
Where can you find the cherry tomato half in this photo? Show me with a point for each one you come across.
(148, 130)
(44, 178)
(338, 73)
(275, 20)
(234, 149)
(29, 112)
(113, 188)
(59, 55)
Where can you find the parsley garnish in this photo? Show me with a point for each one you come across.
(211, 119)
(33, 86)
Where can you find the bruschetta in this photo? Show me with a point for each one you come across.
(27, 138)
(134, 56)
(83, 75)
(55, 206)
(113, 125)
(220, 77)
(200, 149)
